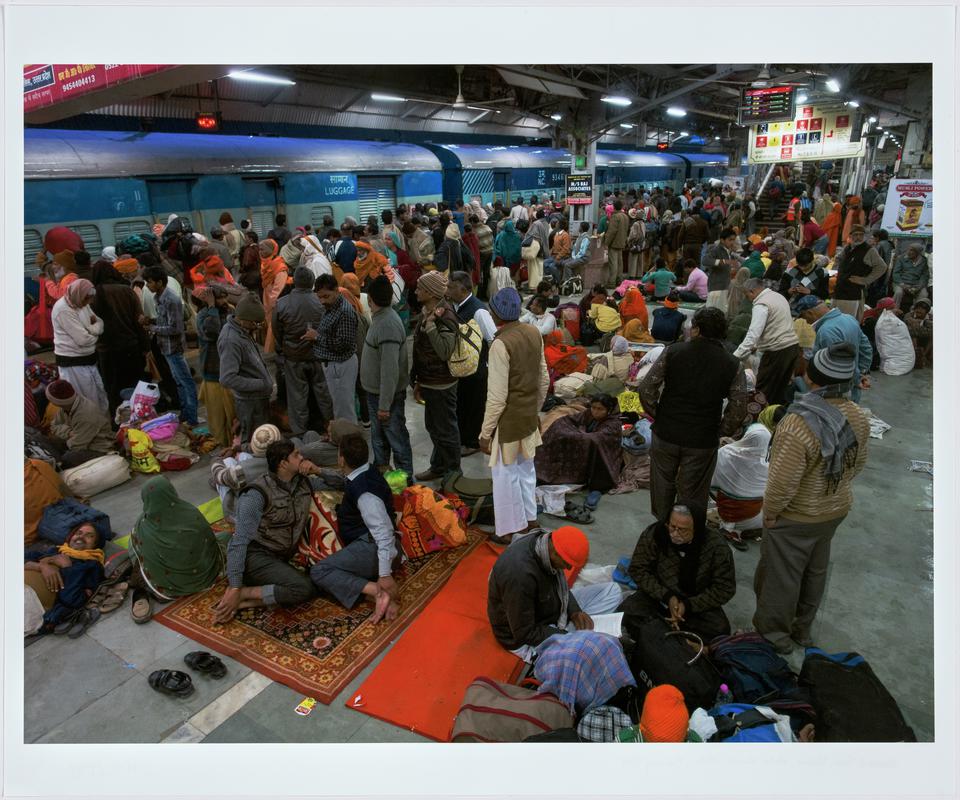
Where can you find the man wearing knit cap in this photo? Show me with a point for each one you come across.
(303, 373)
(832, 326)
(517, 385)
(384, 371)
(529, 599)
(821, 444)
(434, 340)
(771, 334)
(664, 718)
(242, 369)
(83, 427)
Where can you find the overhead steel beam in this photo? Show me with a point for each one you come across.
(353, 99)
(479, 117)
(272, 96)
(558, 78)
(886, 105)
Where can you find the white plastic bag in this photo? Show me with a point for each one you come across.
(894, 344)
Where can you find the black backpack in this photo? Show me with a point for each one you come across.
(852, 704)
(752, 669)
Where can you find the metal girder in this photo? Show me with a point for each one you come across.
(557, 78)
(886, 105)
(272, 96)
(353, 99)
(479, 117)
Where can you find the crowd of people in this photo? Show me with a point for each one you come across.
(746, 353)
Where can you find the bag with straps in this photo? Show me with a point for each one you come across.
(742, 723)
(65, 515)
(475, 493)
(851, 702)
(465, 359)
(752, 669)
(499, 712)
(663, 655)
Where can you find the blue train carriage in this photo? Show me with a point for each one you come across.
(107, 185)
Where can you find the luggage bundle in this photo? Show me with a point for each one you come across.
(500, 712)
(475, 493)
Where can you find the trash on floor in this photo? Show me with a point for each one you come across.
(878, 427)
(922, 466)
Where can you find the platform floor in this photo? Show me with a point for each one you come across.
(879, 602)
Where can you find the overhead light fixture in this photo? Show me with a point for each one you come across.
(852, 104)
(617, 100)
(716, 138)
(684, 133)
(833, 84)
(256, 77)
(626, 125)
(675, 111)
(801, 98)
(557, 117)
(879, 127)
(872, 120)
(387, 98)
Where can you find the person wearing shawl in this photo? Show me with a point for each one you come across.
(478, 210)
(123, 347)
(507, 246)
(368, 264)
(633, 306)
(635, 331)
(831, 227)
(473, 245)
(273, 278)
(684, 572)
(76, 331)
(452, 254)
(69, 574)
(615, 363)
(583, 448)
(172, 547)
(819, 447)
(210, 269)
(855, 216)
(739, 481)
(529, 598)
(754, 263)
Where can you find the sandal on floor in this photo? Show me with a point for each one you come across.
(141, 607)
(84, 620)
(114, 598)
(68, 622)
(736, 541)
(206, 663)
(581, 515)
(172, 682)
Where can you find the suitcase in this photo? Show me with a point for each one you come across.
(499, 712)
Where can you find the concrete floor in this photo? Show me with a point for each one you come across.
(879, 602)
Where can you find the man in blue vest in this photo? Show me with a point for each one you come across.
(365, 518)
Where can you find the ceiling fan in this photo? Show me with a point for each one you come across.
(460, 103)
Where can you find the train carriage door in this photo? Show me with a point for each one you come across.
(260, 198)
(170, 197)
(374, 194)
(501, 187)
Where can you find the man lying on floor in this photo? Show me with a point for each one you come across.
(272, 512)
(365, 521)
(529, 599)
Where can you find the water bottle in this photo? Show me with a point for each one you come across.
(724, 696)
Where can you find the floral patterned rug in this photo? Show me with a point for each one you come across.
(319, 647)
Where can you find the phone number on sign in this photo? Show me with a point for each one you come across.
(85, 81)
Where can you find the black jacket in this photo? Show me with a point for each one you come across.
(522, 601)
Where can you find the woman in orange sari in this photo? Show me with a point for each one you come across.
(274, 277)
(210, 269)
(350, 289)
(855, 216)
(831, 226)
(633, 306)
(369, 263)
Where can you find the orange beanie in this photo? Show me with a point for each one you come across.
(126, 266)
(571, 545)
(664, 717)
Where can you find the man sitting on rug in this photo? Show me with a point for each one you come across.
(529, 599)
(271, 514)
(365, 521)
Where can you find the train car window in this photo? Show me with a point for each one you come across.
(122, 230)
(32, 244)
(317, 213)
(90, 234)
(376, 193)
(263, 221)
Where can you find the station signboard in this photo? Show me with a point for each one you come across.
(47, 84)
(769, 104)
(579, 190)
(814, 134)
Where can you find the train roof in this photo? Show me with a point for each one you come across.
(475, 156)
(100, 154)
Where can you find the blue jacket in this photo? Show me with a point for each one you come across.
(835, 327)
(346, 255)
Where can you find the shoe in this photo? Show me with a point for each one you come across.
(501, 540)
(803, 641)
(783, 646)
(428, 475)
(466, 452)
(735, 541)
(365, 424)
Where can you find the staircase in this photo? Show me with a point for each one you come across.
(770, 212)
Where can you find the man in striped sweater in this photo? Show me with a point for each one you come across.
(817, 449)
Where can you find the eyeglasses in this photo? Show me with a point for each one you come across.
(678, 529)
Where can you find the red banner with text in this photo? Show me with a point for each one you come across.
(48, 84)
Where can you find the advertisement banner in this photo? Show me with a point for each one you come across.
(814, 135)
(47, 84)
(579, 190)
(908, 210)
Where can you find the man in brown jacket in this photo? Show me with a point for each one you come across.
(517, 385)
(807, 497)
(615, 240)
(80, 423)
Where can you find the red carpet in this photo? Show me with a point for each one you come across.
(319, 647)
(420, 682)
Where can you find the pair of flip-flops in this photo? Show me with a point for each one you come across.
(582, 514)
(109, 597)
(77, 623)
(180, 684)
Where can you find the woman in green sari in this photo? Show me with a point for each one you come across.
(172, 546)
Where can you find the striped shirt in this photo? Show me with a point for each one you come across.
(796, 486)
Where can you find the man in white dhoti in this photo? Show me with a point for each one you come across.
(517, 385)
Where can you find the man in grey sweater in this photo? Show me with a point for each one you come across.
(242, 369)
(384, 372)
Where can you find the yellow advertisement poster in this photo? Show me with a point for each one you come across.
(816, 133)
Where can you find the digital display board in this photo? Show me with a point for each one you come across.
(773, 104)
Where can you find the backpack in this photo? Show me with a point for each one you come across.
(852, 704)
(738, 722)
(475, 493)
(428, 522)
(65, 515)
(751, 668)
(465, 359)
(499, 712)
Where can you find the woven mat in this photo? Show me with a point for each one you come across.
(319, 647)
